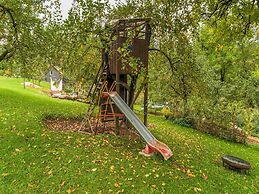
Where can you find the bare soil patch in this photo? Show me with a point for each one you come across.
(252, 140)
(75, 125)
(63, 124)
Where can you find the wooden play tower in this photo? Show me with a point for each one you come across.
(124, 57)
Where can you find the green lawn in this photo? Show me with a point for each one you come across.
(34, 159)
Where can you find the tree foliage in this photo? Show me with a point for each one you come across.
(203, 54)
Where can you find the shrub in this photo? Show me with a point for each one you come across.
(186, 122)
(232, 133)
(166, 112)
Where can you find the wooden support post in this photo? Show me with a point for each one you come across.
(117, 126)
(148, 34)
(146, 100)
(24, 83)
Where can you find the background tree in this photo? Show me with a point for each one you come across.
(203, 54)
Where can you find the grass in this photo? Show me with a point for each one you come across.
(34, 159)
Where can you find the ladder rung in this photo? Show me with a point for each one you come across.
(107, 103)
(111, 115)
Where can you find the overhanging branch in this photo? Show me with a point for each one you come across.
(9, 12)
(171, 63)
(6, 54)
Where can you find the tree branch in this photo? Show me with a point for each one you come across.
(173, 68)
(221, 7)
(10, 14)
(5, 54)
(9, 52)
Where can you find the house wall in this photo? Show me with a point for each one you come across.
(54, 74)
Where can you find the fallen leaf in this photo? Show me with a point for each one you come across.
(69, 191)
(205, 177)
(62, 184)
(191, 175)
(196, 189)
(50, 172)
(5, 174)
(154, 186)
